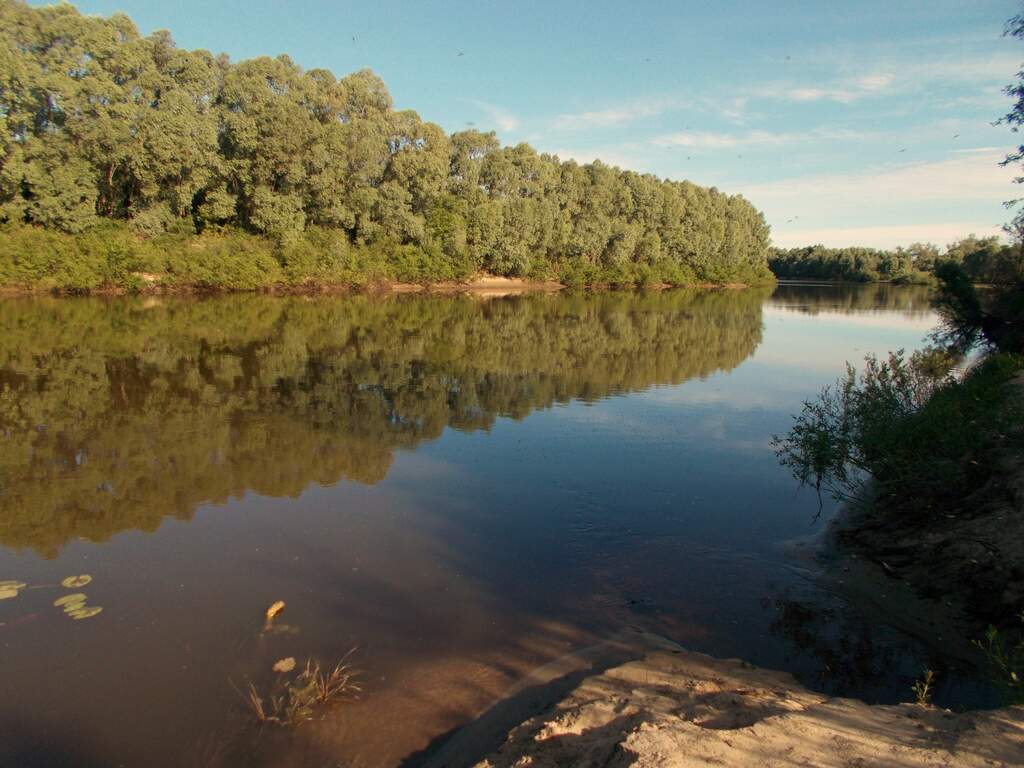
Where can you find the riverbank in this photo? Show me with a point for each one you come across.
(674, 707)
(112, 259)
(965, 562)
(481, 286)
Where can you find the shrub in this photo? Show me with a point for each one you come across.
(911, 425)
(231, 260)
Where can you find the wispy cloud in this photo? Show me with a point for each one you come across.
(501, 117)
(813, 209)
(756, 138)
(844, 92)
(975, 176)
(874, 83)
(616, 115)
(734, 110)
(957, 68)
(896, 74)
(977, 150)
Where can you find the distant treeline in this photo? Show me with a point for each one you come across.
(101, 124)
(985, 260)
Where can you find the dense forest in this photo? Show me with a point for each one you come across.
(985, 260)
(127, 161)
(176, 402)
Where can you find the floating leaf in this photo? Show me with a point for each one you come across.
(285, 665)
(70, 602)
(9, 589)
(84, 613)
(72, 582)
(274, 609)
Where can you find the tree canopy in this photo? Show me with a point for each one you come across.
(102, 123)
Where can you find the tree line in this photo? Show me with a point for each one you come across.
(101, 124)
(985, 260)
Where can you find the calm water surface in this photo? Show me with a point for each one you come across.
(461, 489)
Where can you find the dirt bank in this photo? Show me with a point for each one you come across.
(481, 286)
(679, 708)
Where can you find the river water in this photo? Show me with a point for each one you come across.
(460, 489)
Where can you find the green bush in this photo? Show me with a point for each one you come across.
(102, 256)
(318, 257)
(224, 260)
(114, 255)
(916, 429)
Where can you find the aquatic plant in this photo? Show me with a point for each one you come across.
(10, 588)
(84, 612)
(74, 606)
(297, 699)
(76, 599)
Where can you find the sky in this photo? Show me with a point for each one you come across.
(846, 123)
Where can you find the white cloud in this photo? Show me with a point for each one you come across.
(843, 91)
(814, 209)
(500, 116)
(977, 150)
(713, 140)
(604, 118)
(964, 177)
(895, 74)
(872, 83)
(734, 110)
(994, 67)
(843, 96)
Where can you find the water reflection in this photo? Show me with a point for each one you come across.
(117, 414)
(398, 500)
(912, 301)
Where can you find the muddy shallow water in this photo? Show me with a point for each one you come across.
(460, 489)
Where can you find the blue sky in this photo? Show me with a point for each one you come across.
(837, 119)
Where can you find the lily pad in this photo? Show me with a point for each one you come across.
(285, 665)
(7, 594)
(70, 602)
(85, 613)
(10, 584)
(72, 582)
